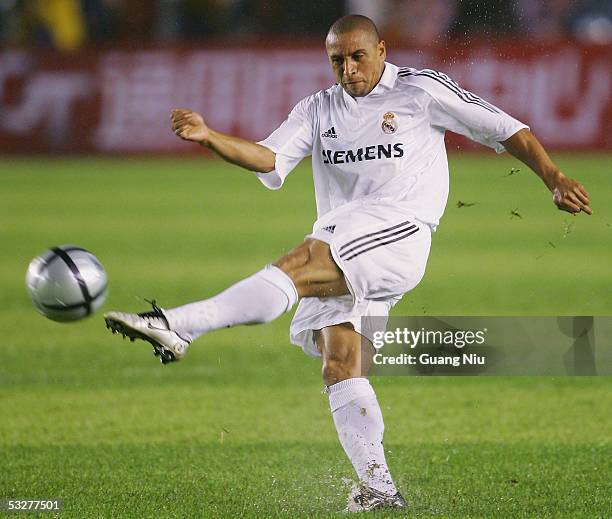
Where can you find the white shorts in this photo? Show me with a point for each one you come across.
(382, 252)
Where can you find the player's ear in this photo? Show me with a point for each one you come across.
(382, 49)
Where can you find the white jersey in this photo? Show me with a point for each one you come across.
(388, 145)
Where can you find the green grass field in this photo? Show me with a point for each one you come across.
(240, 427)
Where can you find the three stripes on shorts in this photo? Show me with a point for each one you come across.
(373, 240)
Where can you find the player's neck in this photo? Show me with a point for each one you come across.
(380, 75)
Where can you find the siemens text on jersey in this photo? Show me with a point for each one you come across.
(379, 151)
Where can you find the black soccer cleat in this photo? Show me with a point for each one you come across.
(152, 327)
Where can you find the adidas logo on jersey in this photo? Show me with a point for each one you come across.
(330, 228)
(331, 133)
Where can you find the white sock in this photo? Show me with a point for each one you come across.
(360, 428)
(260, 298)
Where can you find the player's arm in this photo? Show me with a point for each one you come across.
(190, 126)
(568, 194)
(464, 112)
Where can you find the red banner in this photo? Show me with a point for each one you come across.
(119, 101)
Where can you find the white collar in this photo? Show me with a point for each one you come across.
(387, 80)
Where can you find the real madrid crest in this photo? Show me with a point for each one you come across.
(389, 123)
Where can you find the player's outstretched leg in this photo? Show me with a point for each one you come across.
(260, 298)
(357, 417)
(308, 270)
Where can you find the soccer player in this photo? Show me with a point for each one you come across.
(381, 183)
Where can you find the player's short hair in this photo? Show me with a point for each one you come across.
(354, 22)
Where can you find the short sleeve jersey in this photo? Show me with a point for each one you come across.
(386, 145)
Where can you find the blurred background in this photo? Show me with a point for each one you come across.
(70, 25)
(76, 76)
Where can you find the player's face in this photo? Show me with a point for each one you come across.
(357, 61)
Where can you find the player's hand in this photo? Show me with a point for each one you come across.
(569, 195)
(189, 125)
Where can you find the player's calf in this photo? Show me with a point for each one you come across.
(344, 353)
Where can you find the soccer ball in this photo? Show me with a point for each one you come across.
(66, 283)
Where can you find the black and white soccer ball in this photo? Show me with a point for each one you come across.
(66, 283)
